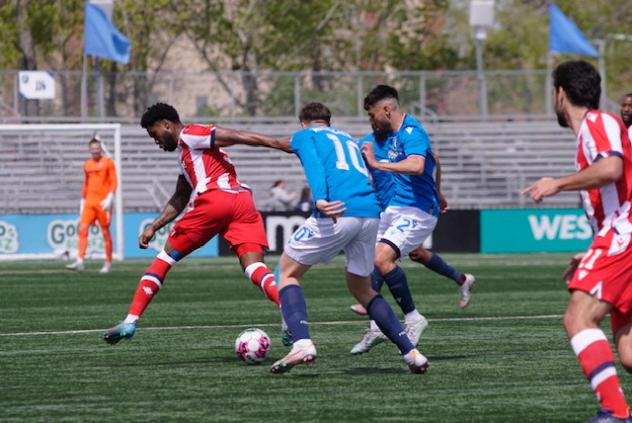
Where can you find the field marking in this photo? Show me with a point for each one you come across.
(339, 322)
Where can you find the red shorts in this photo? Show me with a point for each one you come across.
(606, 272)
(232, 215)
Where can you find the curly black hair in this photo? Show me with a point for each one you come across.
(580, 81)
(159, 111)
(378, 94)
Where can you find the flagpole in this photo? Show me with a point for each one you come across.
(601, 45)
(84, 90)
(548, 89)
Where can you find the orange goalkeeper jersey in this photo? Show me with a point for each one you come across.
(100, 179)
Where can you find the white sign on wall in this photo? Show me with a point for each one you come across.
(38, 85)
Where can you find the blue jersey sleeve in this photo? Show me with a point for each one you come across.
(302, 144)
(415, 141)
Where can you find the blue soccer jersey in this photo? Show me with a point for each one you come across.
(418, 191)
(335, 170)
(382, 181)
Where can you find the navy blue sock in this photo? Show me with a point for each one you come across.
(380, 311)
(294, 311)
(377, 280)
(437, 264)
(398, 284)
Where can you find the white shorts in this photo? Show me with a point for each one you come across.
(405, 228)
(319, 241)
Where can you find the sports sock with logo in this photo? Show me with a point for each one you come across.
(149, 285)
(294, 311)
(398, 285)
(597, 361)
(438, 265)
(263, 278)
(381, 312)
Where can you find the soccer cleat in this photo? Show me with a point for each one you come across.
(121, 331)
(417, 362)
(77, 265)
(414, 329)
(358, 309)
(605, 416)
(107, 267)
(305, 353)
(368, 341)
(465, 290)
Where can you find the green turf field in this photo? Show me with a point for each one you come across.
(504, 359)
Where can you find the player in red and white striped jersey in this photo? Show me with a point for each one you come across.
(215, 201)
(600, 280)
(626, 112)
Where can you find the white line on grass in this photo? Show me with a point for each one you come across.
(340, 322)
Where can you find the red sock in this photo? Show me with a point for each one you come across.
(150, 283)
(262, 277)
(597, 361)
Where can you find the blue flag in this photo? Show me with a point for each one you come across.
(565, 37)
(101, 38)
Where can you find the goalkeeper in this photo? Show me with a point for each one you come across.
(96, 203)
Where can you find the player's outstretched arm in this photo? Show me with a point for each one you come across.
(225, 137)
(598, 174)
(172, 209)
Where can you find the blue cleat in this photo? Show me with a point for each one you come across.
(121, 331)
(605, 416)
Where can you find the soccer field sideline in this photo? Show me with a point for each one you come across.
(331, 323)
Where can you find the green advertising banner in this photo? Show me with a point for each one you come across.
(534, 230)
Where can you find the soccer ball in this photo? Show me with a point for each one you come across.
(252, 346)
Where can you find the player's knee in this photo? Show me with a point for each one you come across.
(626, 359)
(420, 256)
(573, 322)
(83, 230)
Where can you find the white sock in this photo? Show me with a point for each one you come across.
(413, 316)
(374, 325)
(131, 318)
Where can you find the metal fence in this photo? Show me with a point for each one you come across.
(275, 96)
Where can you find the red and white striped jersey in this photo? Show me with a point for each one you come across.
(602, 135)
(205, 166)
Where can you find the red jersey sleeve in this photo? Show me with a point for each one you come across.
(605, 136)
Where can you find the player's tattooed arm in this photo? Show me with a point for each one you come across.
(225, 137)
(172, 209)
(411, 165)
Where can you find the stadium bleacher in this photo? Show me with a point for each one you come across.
(485, 165)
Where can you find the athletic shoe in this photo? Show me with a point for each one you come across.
(369, 340)
(417, 362)
(286, 335)
(121, 331)
(359, 309)
(107, 267)
(415, 328)
(77, 265)
(465, 290)
(305, 353)
(605, 416)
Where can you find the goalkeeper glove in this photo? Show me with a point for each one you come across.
(106, 204)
